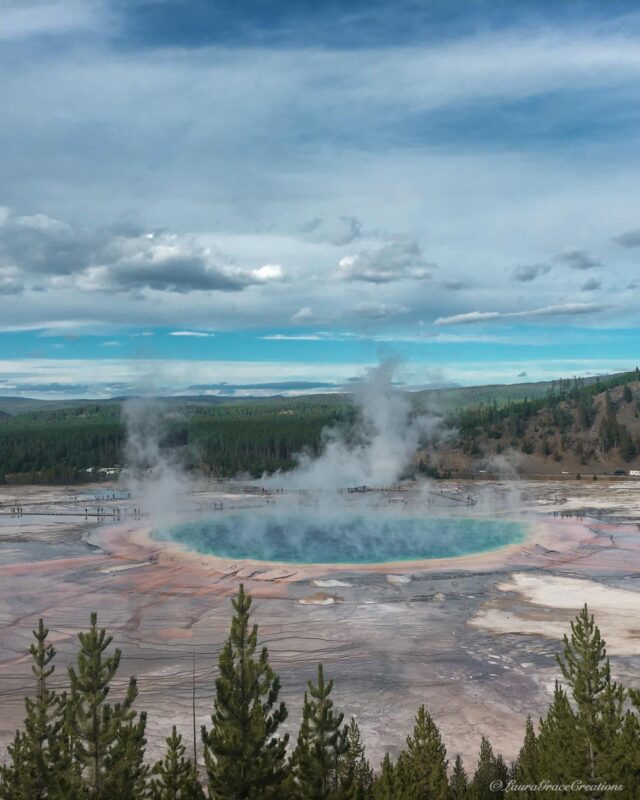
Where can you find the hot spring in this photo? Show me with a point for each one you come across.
(342, 538)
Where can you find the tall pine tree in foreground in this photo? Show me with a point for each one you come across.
(458, 782)
(33, 756)
(175, 777)
(355, 776)
(490, 773)
(598, 700)
(108, 740)
(559, 759)
(526, 771)
(44, 712)
(322, 742)
(16, 776)
(384, 783)
(245, 759)
(628, 754)
(425, 762)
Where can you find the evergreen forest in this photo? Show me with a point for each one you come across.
(583, 424)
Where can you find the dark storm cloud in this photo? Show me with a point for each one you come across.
(530, 272)
(628, 239)
(38, 249)
(177, 273)
(41, 245)
(578, 259)
(360, 23)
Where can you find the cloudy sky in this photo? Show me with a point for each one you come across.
(197, 193)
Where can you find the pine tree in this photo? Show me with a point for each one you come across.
(125, 769)
(426, 761)
(355, 776)
(66, 774)
(458, 782)
(322, 742)
(598, 700)
(175, 777)
(107, 740)
(16, 776)
(560, 758)
(33, 760)
(403, 776)
(244, 757)
(491, 772)
(384, 783)
(626, 762)
(526, 768)
(44, 718)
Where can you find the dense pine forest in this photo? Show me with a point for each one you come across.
(569, 425)
(72, 445)
(80, 745)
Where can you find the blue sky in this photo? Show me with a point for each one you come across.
(313, 186)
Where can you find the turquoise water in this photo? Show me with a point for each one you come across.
(342, 538)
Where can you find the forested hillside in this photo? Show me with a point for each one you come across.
(570, 426)
(576, 425)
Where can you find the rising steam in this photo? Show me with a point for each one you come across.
(154, 475)
(376, 450)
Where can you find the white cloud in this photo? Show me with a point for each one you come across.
(549, 311)
(294, 337)
(393, 261)
(54, 255)
(196, 334)
(10, 281)
(268, 272)
(249, 117)
(173, 374)
(105, 377)
(374, 310)
(304, 314)
(37, 17)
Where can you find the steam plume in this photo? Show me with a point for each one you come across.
(379, 447)
(154, 476)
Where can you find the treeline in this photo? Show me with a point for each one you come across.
(78, 745)
(61, 446)
(69, 445)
